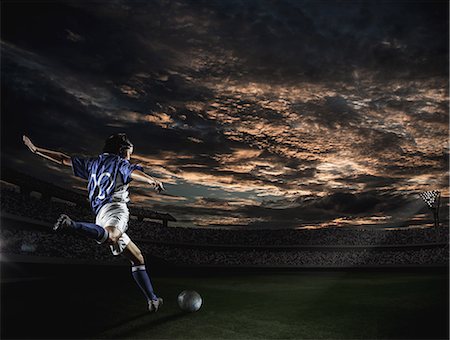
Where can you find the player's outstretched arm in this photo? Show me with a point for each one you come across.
(143, 177)
(54, 156)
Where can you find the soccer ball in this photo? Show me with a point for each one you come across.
(189, 301)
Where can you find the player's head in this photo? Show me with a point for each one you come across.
(119, 144)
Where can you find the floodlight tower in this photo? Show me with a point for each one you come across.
(433, 201)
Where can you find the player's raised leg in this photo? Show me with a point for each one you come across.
(90, 230)
(140, 275)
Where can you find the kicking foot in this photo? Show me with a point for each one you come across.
(154, 305)
(63, 221)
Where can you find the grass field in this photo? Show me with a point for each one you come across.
(100, 302)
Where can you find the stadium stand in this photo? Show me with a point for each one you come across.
(27, 220)
(27, 185)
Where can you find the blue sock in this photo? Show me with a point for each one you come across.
(143, 280)
(91, 230)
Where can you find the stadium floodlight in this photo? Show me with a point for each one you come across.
(433, 201)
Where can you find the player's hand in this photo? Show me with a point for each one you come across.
(159, 186)
(29, 144)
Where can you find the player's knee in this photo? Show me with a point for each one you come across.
(113, 238)
(113, 235)
(139, 258)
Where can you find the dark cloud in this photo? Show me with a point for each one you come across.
(319, 211)
(331, 111)
(304, 111)
(348, 203)
(313, 39)
(371, 182)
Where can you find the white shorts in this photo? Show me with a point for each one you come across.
(116, 215)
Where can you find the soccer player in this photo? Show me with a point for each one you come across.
(109, 175)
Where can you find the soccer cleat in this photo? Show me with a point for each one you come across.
(63, 221)
(154, 305)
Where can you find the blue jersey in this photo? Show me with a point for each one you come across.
(108, 176)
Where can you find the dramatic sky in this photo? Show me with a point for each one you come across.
(253, 113)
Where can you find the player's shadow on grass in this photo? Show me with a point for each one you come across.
(144, 326)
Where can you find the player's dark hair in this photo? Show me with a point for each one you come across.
(117, 144)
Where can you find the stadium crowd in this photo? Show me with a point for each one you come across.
(287, 237)
(39, 209)
(186, 245)
(42, 243)
(299, 257)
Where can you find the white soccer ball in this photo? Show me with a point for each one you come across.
(189, 301)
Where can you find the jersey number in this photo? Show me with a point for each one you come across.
(97, 184)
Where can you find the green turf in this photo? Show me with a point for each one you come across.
(293, 306)
(103, 302)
